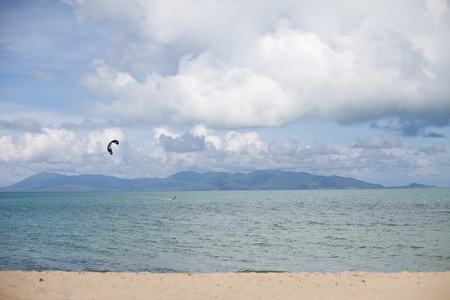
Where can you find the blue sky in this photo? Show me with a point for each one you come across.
(358, 89)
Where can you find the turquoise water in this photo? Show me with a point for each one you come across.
(227, 231)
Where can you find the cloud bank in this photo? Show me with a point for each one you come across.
(71, 150)
(225, 66)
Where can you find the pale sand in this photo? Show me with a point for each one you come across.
(110, 286)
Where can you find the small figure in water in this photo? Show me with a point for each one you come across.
(174, 198)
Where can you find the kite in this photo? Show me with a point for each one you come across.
(109, 146)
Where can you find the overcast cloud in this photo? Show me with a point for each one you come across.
(353, 89)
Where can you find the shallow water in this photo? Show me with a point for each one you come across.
(227, 231)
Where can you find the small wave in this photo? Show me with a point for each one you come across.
(260, 271)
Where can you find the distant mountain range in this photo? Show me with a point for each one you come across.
(190, 181)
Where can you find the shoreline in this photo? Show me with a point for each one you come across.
(110, 285)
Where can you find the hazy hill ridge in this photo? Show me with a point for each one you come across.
(190, 181)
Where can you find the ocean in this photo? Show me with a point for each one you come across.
(388, 230)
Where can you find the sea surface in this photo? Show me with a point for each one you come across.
(227, 231)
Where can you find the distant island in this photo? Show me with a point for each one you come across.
(193, 181)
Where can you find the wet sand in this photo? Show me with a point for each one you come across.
(90, 285)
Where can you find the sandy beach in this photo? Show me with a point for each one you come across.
(89, 285)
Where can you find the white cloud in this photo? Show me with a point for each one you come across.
(286, 147)
(434, 149)
(378, 142)
(58, 149)
(186, 143)
(318, 148)
(436, 9)
(52, 145)
(248, 142)
(274, 68)
(423, 168)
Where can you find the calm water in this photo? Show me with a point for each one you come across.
(223, 231)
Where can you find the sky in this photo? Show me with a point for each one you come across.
(350, 88)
